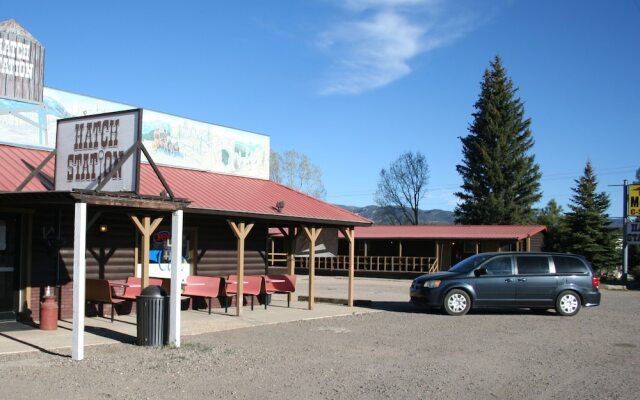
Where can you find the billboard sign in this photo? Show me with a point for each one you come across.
(88, 148)
(633, 200)
(21, 64)
(633, 232)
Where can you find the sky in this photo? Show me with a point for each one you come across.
(354, 83)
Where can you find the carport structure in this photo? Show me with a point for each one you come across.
(227, 218)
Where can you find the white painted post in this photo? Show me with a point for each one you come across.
(176, 278)
(79, 274)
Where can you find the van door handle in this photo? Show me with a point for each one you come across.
(508, 280)
(522, 279)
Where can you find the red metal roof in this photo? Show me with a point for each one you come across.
(448, 231)
(208, 192)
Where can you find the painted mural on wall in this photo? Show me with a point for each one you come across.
(169, 139)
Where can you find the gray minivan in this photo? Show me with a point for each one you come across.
(511, 280)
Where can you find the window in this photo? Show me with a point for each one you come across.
(499, 266)
(532, 265)
(569, 265)
(469, 247)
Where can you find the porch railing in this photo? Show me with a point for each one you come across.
(376, 264)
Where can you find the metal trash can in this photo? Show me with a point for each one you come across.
(152, 316)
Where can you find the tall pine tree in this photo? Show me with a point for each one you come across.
(501, 181)
(587, 230)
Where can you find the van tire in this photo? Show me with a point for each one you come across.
(568, 303)
(456, 302)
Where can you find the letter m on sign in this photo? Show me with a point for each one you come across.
(634, 199)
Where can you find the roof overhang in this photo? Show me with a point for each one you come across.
(113, 199)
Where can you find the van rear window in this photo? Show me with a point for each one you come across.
(569, 265)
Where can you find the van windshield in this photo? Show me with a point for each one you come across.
(468, 264)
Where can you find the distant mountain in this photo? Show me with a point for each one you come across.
(378, 215)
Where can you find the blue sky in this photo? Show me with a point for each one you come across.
(355, 83)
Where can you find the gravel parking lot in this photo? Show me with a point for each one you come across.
(397, 353)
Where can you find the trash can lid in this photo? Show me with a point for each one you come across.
(153, 291)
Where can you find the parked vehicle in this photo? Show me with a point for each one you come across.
(511, 280)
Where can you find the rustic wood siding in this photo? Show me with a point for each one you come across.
(217, 247)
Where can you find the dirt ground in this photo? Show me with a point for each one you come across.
(398, 353)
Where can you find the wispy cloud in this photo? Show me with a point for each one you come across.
(375, 45)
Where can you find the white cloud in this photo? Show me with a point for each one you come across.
(375, 47)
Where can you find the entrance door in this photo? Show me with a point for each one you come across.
(8, 266)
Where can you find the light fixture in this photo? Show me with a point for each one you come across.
(104, 228)
(279, 205)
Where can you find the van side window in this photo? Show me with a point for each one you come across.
(532, 265)
(499, 266)
(569, 265)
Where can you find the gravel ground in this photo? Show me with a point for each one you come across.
(395, 354)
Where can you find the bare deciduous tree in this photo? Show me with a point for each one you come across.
(296, 171)
(403, 186)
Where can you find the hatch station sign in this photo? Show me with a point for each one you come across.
(89, 147)
(633, 233)
(633, 200)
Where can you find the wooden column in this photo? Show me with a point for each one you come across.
(349, 234)
(79, 276)
(146, 228)
(477, 247)
(400, 248)
(290, 238)
(312, 235)
(241, 231)
(528, 243)
(438, 254)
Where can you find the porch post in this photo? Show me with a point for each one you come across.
(176, 278)
(241, 231)
(349, 234)
(291, 259)
(79, 276)
(146, 228)
(312, 235)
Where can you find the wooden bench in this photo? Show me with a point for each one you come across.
(254, 285)
(133, 287)
(207, 287)
(99, 291)
(281, 284)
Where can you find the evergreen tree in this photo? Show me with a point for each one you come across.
(587, 224)
(552, 217)
(501, 181)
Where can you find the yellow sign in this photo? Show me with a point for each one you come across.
(633, 200)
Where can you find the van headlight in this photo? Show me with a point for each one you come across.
(432, 284)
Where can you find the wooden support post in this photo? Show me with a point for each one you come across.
(79, 276)
(291, 260)
(438, 254)
(349, 234)
(312, 235)
(146, 228)
(529, 243)
(241, 231)
(477, 247)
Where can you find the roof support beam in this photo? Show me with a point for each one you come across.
(176, 261)
(79, 276)
(146, 228)
(241, 231)
(312, 234)
(350, 234)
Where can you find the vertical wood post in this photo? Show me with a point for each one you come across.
(146, 228)
(176, 278)
(528, 243)
(241, 231)
(349, 234)
(438, 254)
(312, 235)
(79, 276)
(291, 259)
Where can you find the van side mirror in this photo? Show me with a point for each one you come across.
(480, 271)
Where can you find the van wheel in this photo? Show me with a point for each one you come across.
(568, 303)
(456, 302)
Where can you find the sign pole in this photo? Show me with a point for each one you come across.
(625, 245)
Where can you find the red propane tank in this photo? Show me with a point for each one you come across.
(48, 313)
